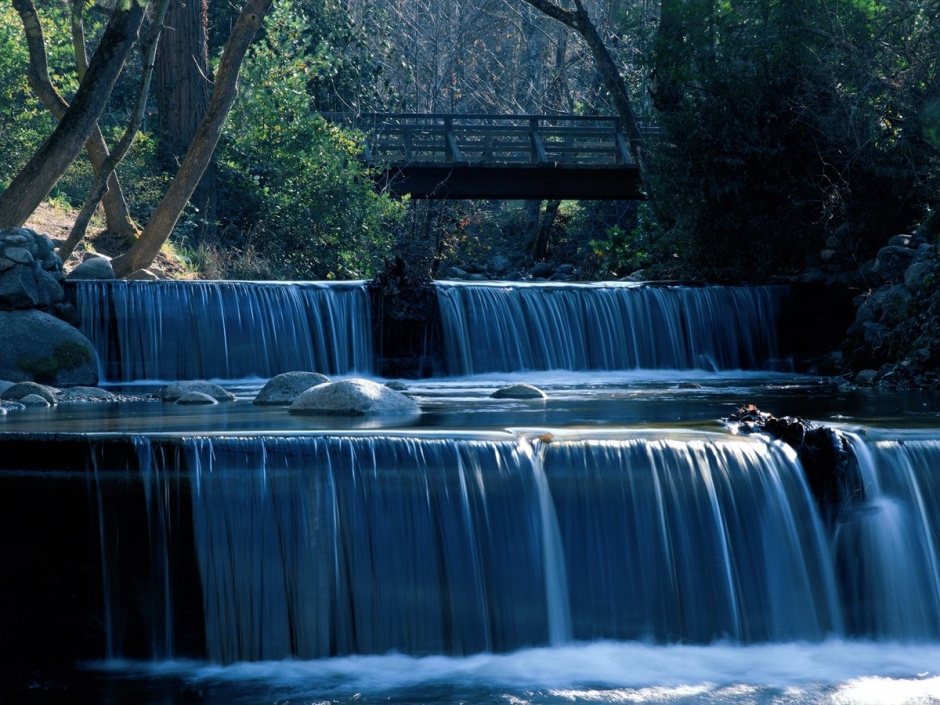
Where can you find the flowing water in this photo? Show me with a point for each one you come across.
(613, 543)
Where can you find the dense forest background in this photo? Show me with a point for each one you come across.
(781, 128)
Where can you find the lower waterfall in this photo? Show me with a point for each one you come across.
(326, 545)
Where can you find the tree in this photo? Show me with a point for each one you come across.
(34, 181)
(116, 213)
(183, 84)
(158, 229)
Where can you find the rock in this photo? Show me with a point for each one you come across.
(284, 388)
(4, 385)
(892, 262)
(93, 268)
(456, 273)
(827, 255)
(473, 268)
(36, 346)
(640, 275)
(397, 385)
(560, 277)
(173, 392)
(514, 276)
(813, 275)
(900, 241)
(142, 275)
(34, 400)
(19, 288)
(542, 270)
(477, 277)
(866, 378)
(196, 398)
(918, 275)
(19, 391)
(834, 242)
(353, 397)
(500, 265)
(519, 391)
(6, 406)
(80, 394)
(565, 269)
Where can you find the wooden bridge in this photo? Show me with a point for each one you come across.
(493, 157)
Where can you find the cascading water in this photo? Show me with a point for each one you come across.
(887, 544)
(316, 546)
(171, 330)
(512, 327)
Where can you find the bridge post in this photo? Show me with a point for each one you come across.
(538, 149)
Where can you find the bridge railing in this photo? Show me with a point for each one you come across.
(414, 139)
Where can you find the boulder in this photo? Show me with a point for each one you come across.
(30, 271)
(142, 275)
(892, 261)
(542, 270)
(6, 406)
(284, 388)
(34, 400)
(77, 395)
(866, 378)
(173, 392)
(196, 399)
(519, 391)
(397, 385)
(918, 276)
(36, 346)
(21, 390)
(93, 268)
(353, 397)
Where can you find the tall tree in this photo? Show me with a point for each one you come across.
(47, 165)
(171, 206)
(183, 85)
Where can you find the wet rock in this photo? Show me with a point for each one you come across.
(34, 400)
(6, 406)
(282, 389)
(4, 385)
(900, 241)
(397, 385)
(196, 399)
(565, 269)
(826, 457)
(519, 391)
(36, 346)
(866, 378)
(93, 268)
(19, 391)
(173, 392)
(353, 397)
(456, 273)
(81, 394)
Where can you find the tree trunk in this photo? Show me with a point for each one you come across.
(44, 169)
(183, 86)
(665, 88)
(542, 238)
(100, 186)
(167, 213)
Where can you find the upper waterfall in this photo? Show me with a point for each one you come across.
(611, 326)
(172, 330)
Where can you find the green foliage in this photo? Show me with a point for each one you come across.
(794, 121)
(294, 182)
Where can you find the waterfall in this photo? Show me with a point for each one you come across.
(171, 330)
(886, 548)
(613, 326)
(314, 546)
(320, 546)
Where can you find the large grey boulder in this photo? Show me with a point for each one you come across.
(36, 346)
(30, 271)
(353, 397)
(891, 263)
(519, 391)
(79, 395)
(282, 389)
(173, 392)
(93, 268)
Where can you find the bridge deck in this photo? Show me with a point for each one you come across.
(486, 156)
